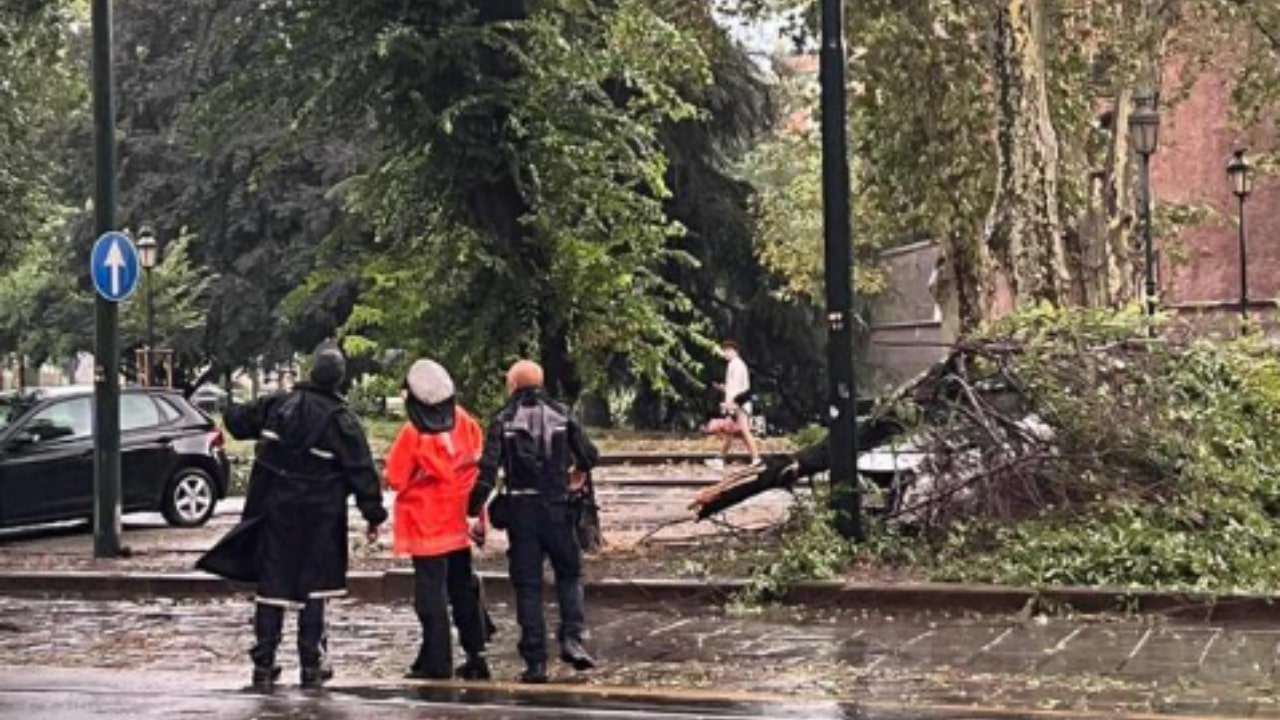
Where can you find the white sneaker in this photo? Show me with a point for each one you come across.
(715, 463)
(756, 463)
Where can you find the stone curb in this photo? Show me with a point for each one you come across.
(887, 597)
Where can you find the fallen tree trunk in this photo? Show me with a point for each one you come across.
(783, 473)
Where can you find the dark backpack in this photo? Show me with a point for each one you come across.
(585, 514)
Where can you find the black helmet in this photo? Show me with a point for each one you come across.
(328, 367)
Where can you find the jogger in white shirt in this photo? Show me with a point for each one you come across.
(736, 404)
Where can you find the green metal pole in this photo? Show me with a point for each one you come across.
(846, 500)
(106, 353)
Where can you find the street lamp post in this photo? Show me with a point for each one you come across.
(1144, 126)
(147, 251)
(1241, 174)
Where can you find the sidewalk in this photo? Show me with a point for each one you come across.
(867, 659)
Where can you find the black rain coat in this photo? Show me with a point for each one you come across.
(292, 539)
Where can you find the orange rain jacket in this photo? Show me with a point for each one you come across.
(432, 475)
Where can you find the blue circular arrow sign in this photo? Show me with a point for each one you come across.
(114, 266)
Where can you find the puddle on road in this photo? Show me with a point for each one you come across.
(558, 702)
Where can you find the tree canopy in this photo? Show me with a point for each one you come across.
(606, 187)
(999, 130)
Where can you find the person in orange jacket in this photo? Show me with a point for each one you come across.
(432, 467)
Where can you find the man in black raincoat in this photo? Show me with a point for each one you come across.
(311, 454)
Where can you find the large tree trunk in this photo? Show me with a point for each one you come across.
(1117, 259)
(957, 285)
(1104, 266)
(1112, 265)
(1024, 231)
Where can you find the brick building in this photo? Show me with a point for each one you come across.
(1196, 140)
(1199, 271)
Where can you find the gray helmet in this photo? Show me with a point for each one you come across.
(430, 401)
(328, 367)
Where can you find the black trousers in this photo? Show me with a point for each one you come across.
(441, 582)
(268, 627)
(540, 530)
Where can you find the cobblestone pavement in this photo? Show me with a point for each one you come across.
(1029, 664)
(629, 513)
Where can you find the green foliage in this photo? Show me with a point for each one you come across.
(920, 143)
(181, 293)
(924, 110)
(517, 186)
(369, 396)
(809, 436)
(33, 305)
(1166, 469)
(42, 92)
(786, 173)
(811, 549)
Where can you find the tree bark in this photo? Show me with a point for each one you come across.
(1121, 259)
(957, 285)
(1024, 233)
(1108, 261)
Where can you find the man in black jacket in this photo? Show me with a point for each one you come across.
(542, 451)
(311, 454)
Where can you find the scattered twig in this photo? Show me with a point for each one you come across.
(663, 526)
(970, 482)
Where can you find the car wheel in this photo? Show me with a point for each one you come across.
(189, 498)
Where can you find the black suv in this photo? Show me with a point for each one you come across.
(172, 456)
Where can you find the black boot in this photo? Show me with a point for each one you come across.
(417, 672)
(312, 677)
(535, 673)
(572, 652)
(475, 668)
(326, 662)
(267, 621)
(265, 677)
(421, 669)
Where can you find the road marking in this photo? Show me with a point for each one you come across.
(1207, 646)
(895, 652)
(1137, 648)
(1062, 644)
(668, 628)
(701, 639)
(990, 644)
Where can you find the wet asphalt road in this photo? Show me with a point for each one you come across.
(86, 694)
(61, 694)
(831, 664)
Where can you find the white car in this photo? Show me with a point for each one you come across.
(901, 474)
(209, 398)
